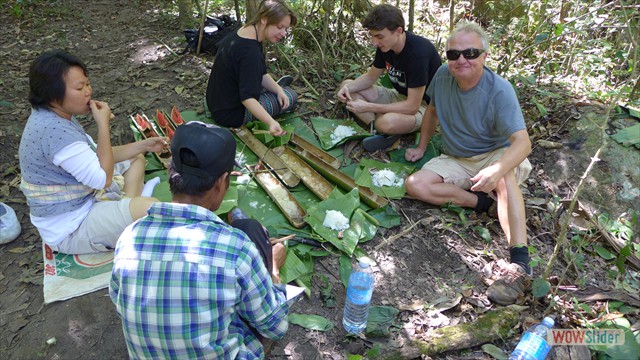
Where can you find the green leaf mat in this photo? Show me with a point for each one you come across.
(364, 177)
(324, 128)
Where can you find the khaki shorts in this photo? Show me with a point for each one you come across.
(388, 96)
(458, 171)
(100, 230)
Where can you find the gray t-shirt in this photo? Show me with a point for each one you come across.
(477, 121)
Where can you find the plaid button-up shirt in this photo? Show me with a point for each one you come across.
(187, 285)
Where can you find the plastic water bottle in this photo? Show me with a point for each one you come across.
(533, 345)
(359, 291)
(9, 225)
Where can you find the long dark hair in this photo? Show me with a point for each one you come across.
(46, 77)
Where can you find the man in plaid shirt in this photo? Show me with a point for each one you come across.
(186, 284)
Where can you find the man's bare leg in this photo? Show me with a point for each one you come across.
(395, 124)
(511, 213)
(429, 187)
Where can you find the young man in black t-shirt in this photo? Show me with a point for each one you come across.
(410, 61)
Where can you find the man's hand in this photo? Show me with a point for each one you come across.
(413, 154)
(487, 179)
(343, 94)
(279, 256)
(357, 106)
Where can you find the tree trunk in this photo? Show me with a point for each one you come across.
(452, 15)
(412, 10)
(252, 9)
(185, 16)
(236, 5)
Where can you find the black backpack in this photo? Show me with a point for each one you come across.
(215, 29)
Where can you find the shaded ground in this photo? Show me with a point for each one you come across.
(130, 50)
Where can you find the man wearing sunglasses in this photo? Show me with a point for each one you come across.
(410, 61)
(485, 145)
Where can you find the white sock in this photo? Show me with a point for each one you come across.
(147, 190)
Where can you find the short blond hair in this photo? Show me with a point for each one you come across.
(469, 27)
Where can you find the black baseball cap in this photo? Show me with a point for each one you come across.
(213, 146)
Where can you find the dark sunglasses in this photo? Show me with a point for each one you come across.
(468, 54)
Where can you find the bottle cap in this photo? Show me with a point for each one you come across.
(548, 322)
(364, 262)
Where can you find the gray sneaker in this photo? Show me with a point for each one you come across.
(511, 287)
(285, 81)
(379, 142)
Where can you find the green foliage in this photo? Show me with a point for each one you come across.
(460, 211)
(18, 8)
(585, 46)
(380, 320)
(483, 232)
(540, 287)
(326, 292)
(311, 322)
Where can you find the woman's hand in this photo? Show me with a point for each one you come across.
(275, 129)
(156, 144)
(283, 99)
(101, 112)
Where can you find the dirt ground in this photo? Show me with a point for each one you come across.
(131, 51)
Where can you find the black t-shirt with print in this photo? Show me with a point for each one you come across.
(413, 67)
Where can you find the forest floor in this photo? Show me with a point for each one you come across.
(131, 51)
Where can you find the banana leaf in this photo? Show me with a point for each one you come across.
(229, 202)
(252, 199)
(345, 269)
(161, 191)
(304, 131)
(192, 115)
(311, 322)
(258, 205)
(153, 163)
(387, 216)
(324, 128)
(380, 319)
(301, 129)
(305, 280)
(258, 128)
(364, 177)
(434, 149)
(359, 226)
(293, 267)
(363, 225)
